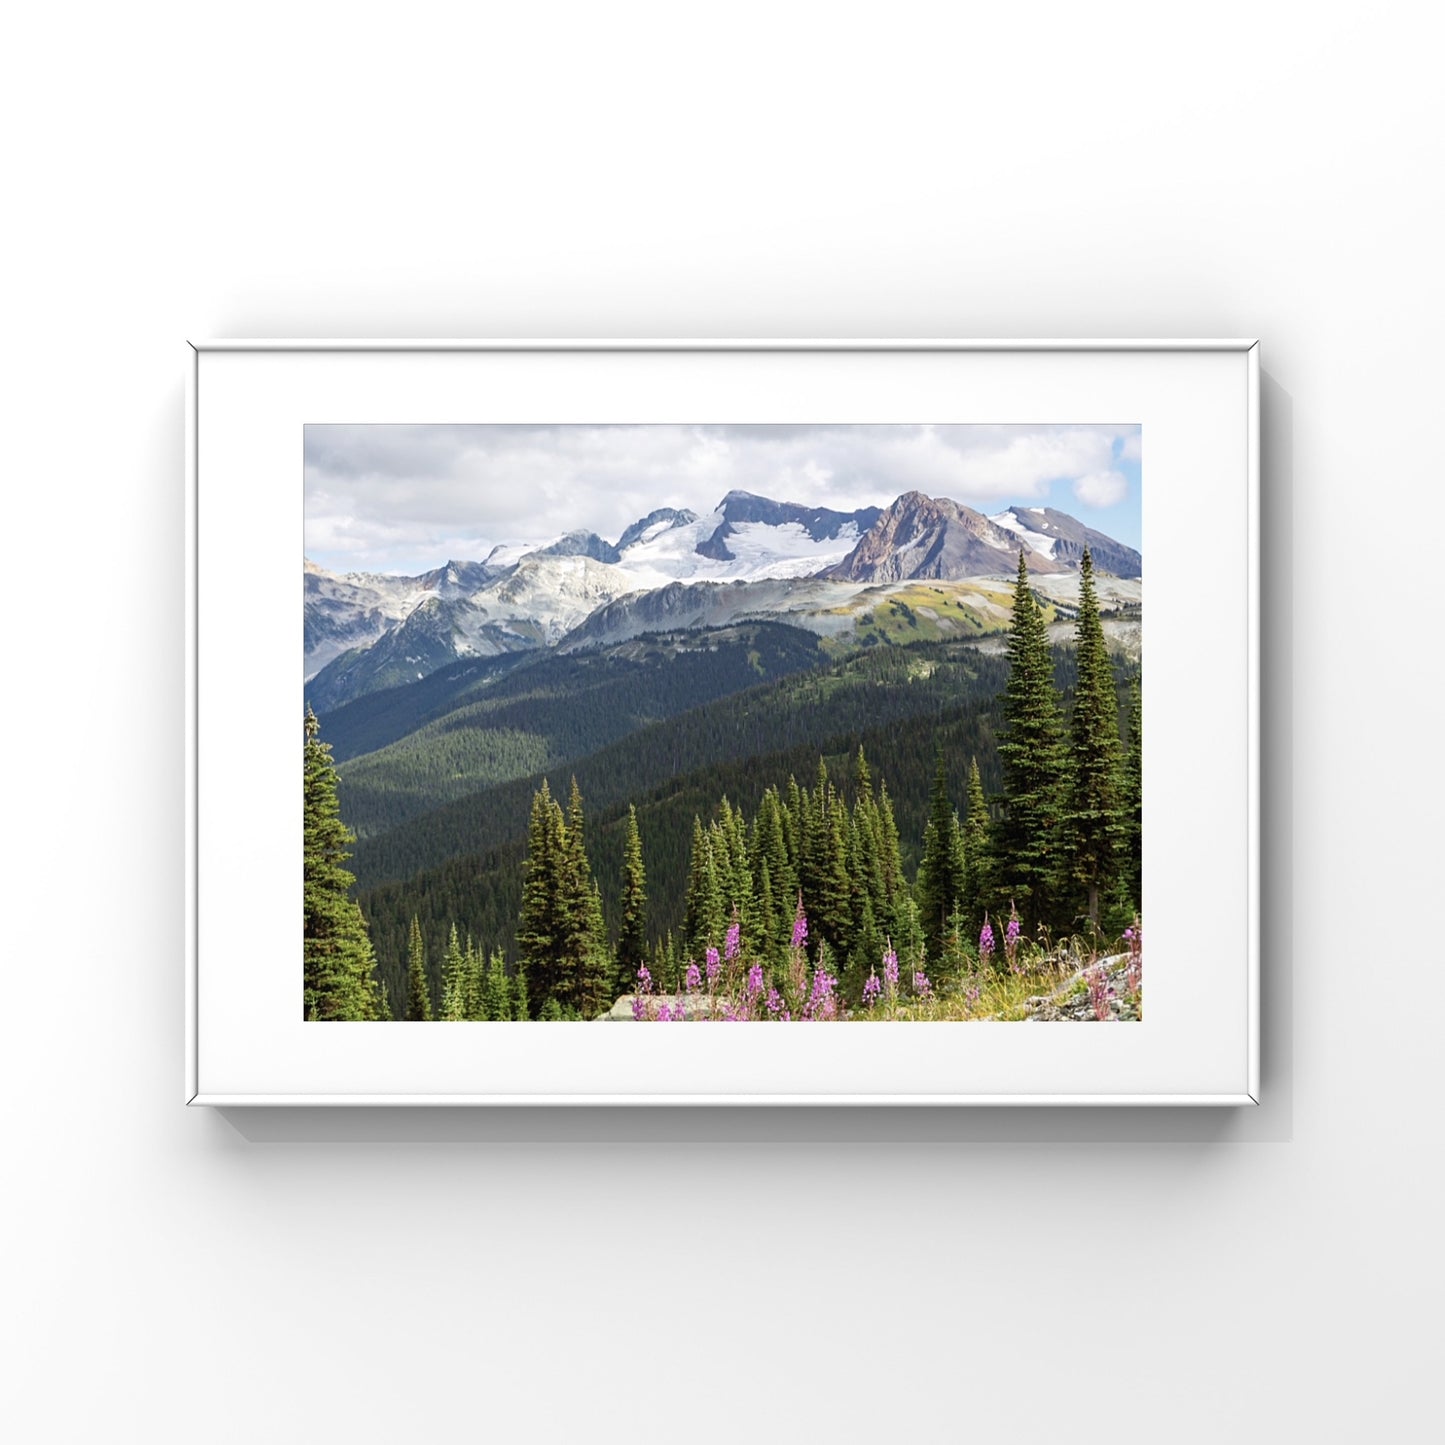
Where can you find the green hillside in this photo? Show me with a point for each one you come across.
(557, 709)
(864, 691)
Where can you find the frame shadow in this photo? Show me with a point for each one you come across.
(1270, 1122)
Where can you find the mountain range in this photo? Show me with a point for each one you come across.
(751, 558)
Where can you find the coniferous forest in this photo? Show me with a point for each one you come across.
(743, 823)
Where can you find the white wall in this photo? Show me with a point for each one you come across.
(629, 169)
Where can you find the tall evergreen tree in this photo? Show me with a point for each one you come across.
(1034, 761)
(418, 994)
(561, 936)
(940, 870)
(632, 938)
(454, 980)
(832, 910)
(706, 907)
(597, 967)
(339, 981)
(542, 928)
(477, 983)
(770, 853)
(1094, 819)
(890, 858)
(976, 849)
(1134, 794)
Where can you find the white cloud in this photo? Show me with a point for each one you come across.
(1132, 447)
(1102, 489)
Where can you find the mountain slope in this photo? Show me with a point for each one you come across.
(654, 524)
(867, 689)
(556, 708)
(933, 538)
(742, 511)
(750, 558)
(342, 613)
(437, 631)
(1062, 538)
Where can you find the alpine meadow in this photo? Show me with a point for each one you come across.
(859, 742)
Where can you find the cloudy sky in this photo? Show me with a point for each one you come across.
(383, 498)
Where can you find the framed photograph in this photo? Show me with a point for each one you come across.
(806, 694)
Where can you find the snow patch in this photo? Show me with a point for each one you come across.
(668, 553)
(1037, 541)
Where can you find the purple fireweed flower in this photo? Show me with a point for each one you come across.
(733, 942)
(775, 1001)
(1011, 933)
(871, 989)
(1100, 992)
(800, 925)
(971, 993)
(890, 969)
(644, 979)
(985, 940)
(714, 964)
(639, 1007)
(921, 986)
(821, 1003)
(693, 980)
(755, 980)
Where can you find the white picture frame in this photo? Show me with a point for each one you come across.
(1198, 404)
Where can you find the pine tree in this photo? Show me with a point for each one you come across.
(1032, 754)
(339, 981)
(770, 860)
(632, 939)
(454, 980)
(833, 907)
(478, 1005)
(1134, 795)
(898, 908)
(597, 968)
(940, 870)
(497, 991)
(582, 963)
(705, 908)
(539, 924)
(418, 995)
(1094, 819)
(977, 856)
(870, 889)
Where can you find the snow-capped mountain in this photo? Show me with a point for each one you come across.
(343, 613)
(1062, 538)
(782, 560)
(653, 525)
(936, 539)
(745, 538)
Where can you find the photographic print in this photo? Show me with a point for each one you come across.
(723, 723)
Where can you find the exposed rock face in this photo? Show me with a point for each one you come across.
(693, 1005)
(458, 579)
(654, 522)
(935, 539)
(581, 544)
(1063, 538)
(1070, 1002)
